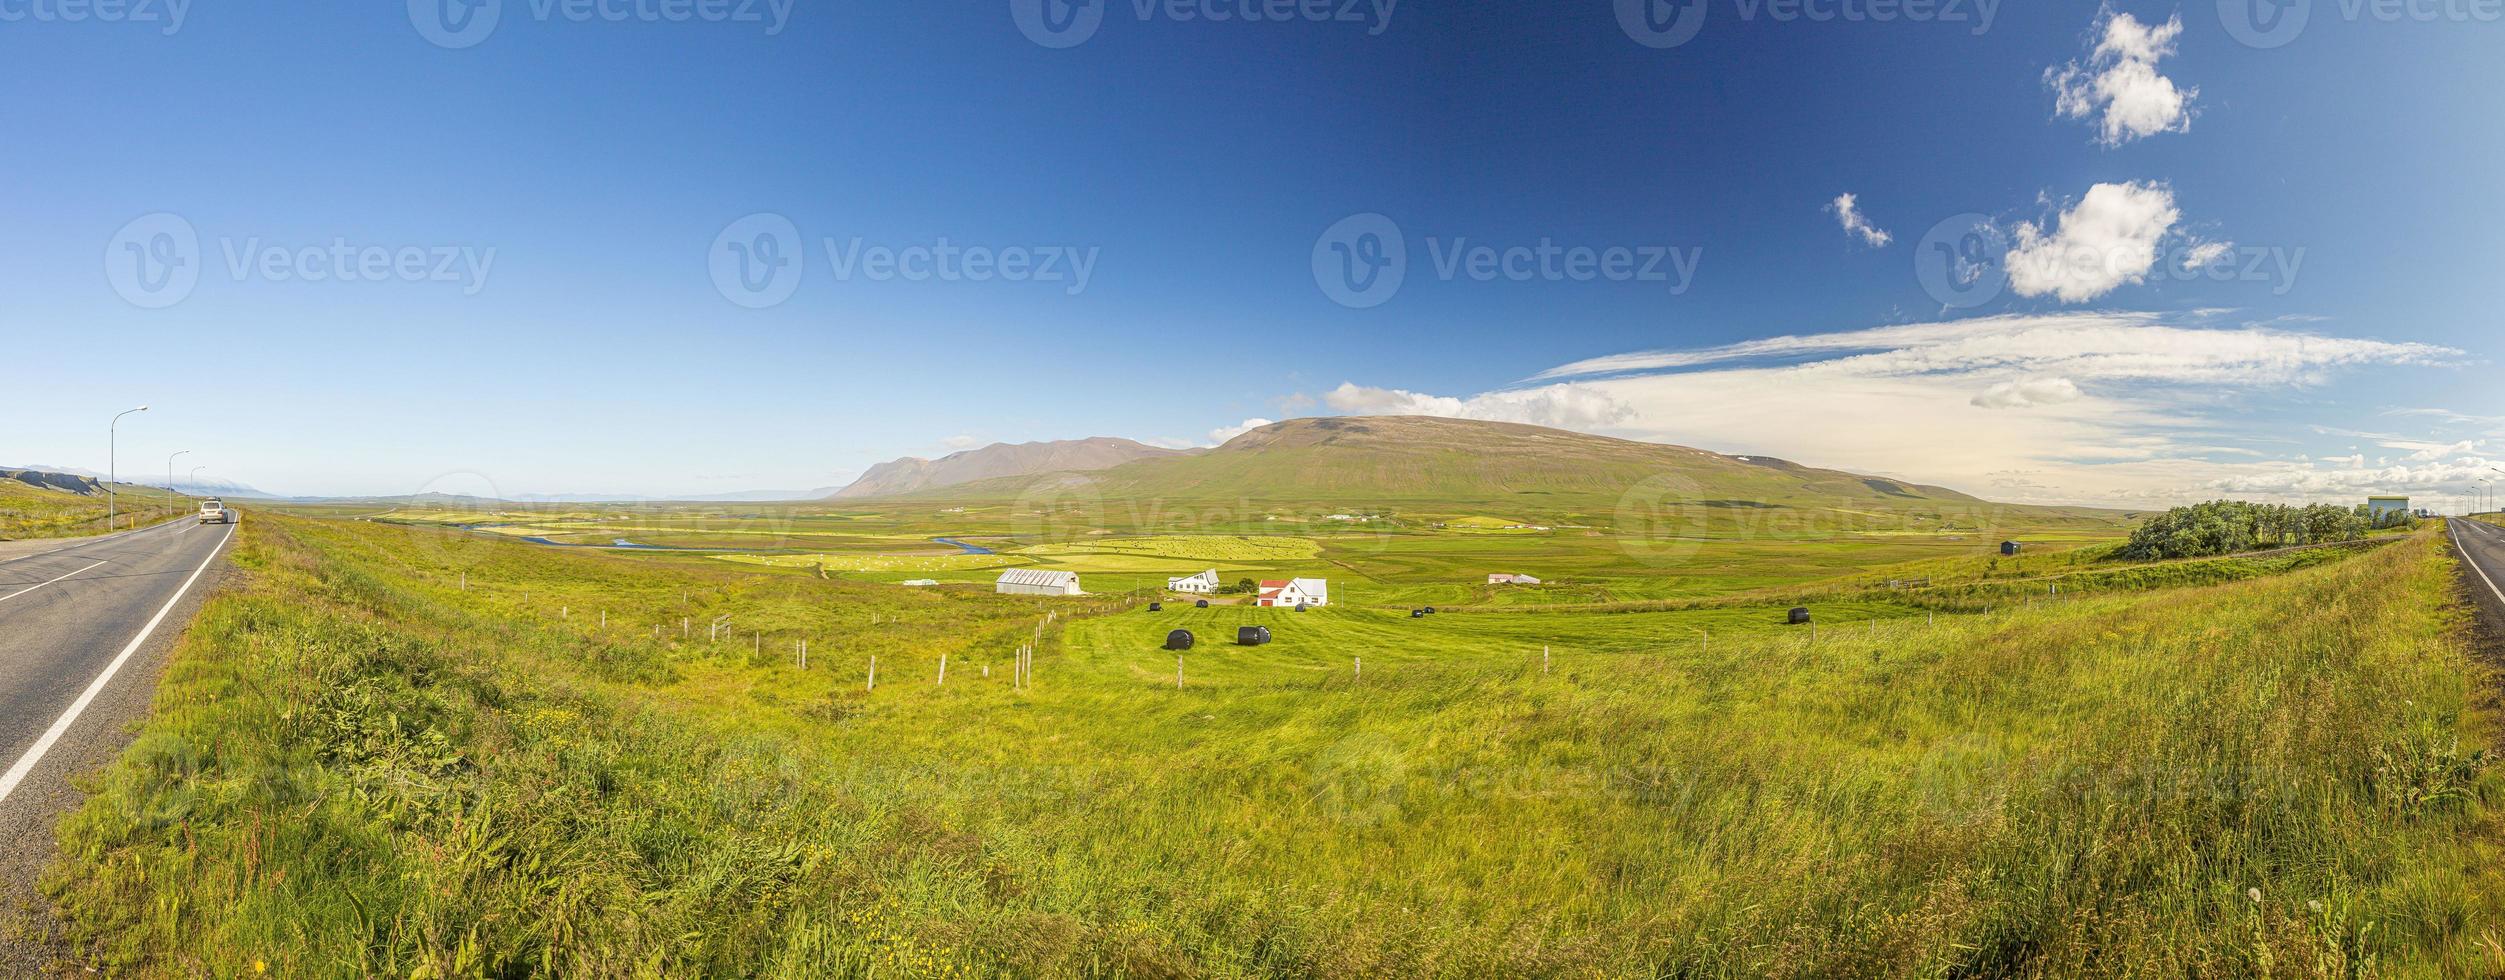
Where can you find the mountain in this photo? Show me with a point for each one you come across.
(998, 460)
(53, 480)
(198, 488)
(1363, 458)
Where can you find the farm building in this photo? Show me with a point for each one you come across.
(2011, 547)
(1508, 578)
(920, 583)
(1295, 592)
(2380, 509)
(1203, 583)
(1036, 581)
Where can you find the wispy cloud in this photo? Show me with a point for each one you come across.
(1847, 211)
(2122, 408)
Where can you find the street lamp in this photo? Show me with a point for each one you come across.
(112, 472)
(169, 478)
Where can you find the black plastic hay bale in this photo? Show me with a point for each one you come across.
(1417, 614)
(1430, 610)
(1179, 640)
(1800, 614)
(1156, 607)
(1252, 636)
(1300, 607)
(1202, 604)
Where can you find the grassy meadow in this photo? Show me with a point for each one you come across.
(28, 511)
(414, 751)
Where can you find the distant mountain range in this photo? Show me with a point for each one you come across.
(914, 474)
(1366, 458)
(70, 474)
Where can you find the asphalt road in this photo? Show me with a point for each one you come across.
(2483, 545)
(84, 629)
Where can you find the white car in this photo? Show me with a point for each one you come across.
(213, 511)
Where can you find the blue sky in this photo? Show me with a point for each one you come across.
(532, 218)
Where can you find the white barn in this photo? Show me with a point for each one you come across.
(1036, 581)
(1201, 584)
(1295, 592)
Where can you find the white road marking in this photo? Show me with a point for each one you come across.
(17, 773)
(2474, 561)
(31, 588)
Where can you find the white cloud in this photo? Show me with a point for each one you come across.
(2119, 83)
(1224, 433)
(2202, 255)
(2109, 238)
(1847, 211)
(2113, 408)
(1564, 406)
(2028, 394)
(961, 442)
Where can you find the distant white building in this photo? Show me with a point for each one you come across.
(919, 582)
(1507, 578)
(1201, 584)
(1295, 592)
(1036, 581)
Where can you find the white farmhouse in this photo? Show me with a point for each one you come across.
(1295, 592)
(1201, 584)
(1036, 581)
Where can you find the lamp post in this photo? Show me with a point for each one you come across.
(112, 471)
(169, 477)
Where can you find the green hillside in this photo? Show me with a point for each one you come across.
(1405, 457)
(35, 504)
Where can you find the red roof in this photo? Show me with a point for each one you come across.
(1274, 584)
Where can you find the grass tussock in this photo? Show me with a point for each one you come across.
(358, 767)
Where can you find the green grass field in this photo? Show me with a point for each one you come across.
(39, 512)
(2249, 767)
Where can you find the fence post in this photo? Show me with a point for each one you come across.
(873, 673)
(943, 669)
